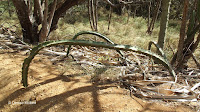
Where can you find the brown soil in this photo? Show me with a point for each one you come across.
(54, 89)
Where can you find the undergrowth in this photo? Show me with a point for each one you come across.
(122, 30)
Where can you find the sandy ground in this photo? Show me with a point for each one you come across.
(54, 89)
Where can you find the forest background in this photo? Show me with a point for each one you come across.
(174, 25)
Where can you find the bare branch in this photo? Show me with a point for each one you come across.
(52, 14)
(38, 8)
(121, 2)
(182, 34)
(44, 30)
(125, 3)
(62, 9)
(110, 3)
(90, 14)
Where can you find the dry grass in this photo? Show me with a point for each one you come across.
(132, 32)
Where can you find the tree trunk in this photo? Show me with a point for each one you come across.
(31, 19)
(44, 30)
(164, 22)
(190, 51)
(29, 29)
(93, 15)
(61, 10)
(187, 46)
(182, 32)
(90, 14)
(155, 16)
(149, 13)
(109, 18)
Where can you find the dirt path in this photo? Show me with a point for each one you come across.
(70, 91)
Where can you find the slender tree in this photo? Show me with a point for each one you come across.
(93, 15)
(155, 16)
(164, 22)
(183, 31)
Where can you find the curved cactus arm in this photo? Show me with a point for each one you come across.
(96, 34)
(36, 49)
(93, 33)
(158, 48)
(164, 56)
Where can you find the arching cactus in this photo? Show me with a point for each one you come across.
(36, 49)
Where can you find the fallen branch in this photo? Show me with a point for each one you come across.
(195, 86)
(141, 89)
(18, 46)
(55, 53)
